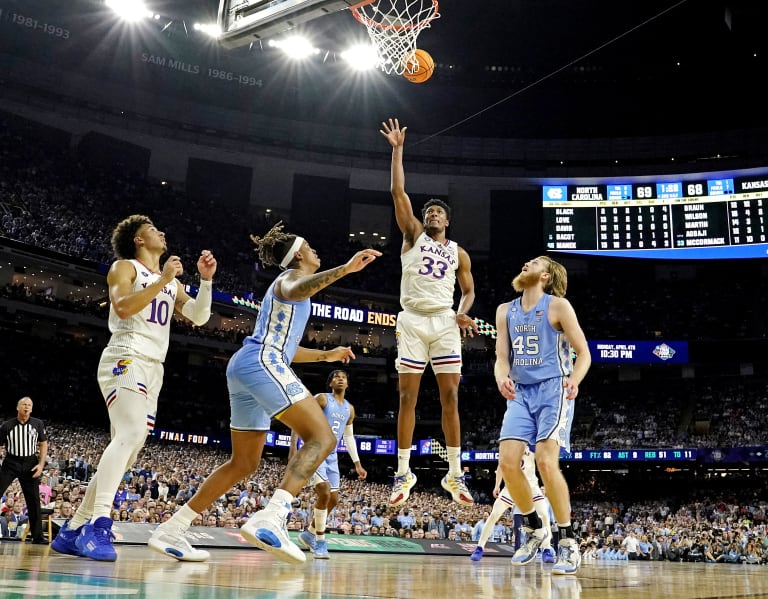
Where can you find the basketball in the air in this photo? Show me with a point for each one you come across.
(419, 66)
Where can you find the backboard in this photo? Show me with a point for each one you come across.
(245, 21)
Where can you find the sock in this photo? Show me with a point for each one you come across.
(181, 520)
(403, 461)
(454, 461)
(129, 411)
(499, 507)
(532, 520)
(566, 531)
(85, 511)
(541, 509)
(77, 521)
(282, 499)
(319, 522)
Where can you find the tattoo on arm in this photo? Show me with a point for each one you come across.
(311, 284)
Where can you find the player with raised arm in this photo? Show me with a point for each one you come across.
(428, 329)
(262, 385)
(326, 480)
(143, 298)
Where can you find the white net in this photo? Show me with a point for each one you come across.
(393, 26)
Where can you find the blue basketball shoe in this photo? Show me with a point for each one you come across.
(95, 540)
(65, 540)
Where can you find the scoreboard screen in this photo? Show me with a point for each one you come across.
(723, 217)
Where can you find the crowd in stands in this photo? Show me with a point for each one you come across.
(654, 413)
(712, 523)
(44, 192)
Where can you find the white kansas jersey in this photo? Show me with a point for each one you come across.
(146, 333)
(429, 275)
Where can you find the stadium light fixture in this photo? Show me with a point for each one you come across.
(129, 10)
(210, 29)
(295, 47)
(361, 57)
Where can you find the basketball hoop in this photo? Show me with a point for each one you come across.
(393, 26)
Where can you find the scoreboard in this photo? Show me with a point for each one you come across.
(723, 217)
(632, 455)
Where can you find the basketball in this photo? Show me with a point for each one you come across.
(419, 66)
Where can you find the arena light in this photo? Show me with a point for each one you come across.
(296, 47)
(129, 10)
(361, 57)
(209, 29)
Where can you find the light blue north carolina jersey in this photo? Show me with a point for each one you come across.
(537, 351)
(337, 415)
(280, 325)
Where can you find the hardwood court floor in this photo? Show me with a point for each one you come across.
(35, 571)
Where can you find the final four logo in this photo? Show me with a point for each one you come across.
(663, 351)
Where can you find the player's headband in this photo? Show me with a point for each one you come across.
(293, 249)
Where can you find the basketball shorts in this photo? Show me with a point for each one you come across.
(120, 369)
(539, 412)
(422, 339)
(327, 472)
(260, 388)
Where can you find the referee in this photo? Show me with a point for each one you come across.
(24, 437)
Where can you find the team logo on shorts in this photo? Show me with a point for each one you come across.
(294, 389)
(121, 367)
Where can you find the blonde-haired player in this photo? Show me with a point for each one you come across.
(504, 502)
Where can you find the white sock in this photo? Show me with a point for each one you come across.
(320, 518)
(499, 507)
(403, 461)
(541, 509)
(281, 499)
(454, 461)
(181, 520)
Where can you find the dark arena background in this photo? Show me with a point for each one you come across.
(626, 142)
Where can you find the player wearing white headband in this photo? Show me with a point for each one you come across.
(262, 385)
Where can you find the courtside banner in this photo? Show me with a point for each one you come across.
(130, 533)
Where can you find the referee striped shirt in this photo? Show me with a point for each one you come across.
(22, 440)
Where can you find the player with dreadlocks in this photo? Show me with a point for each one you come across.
(263, 386)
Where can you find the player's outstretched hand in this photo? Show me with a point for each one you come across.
(362, 259)
(340, 354)
(392, 131)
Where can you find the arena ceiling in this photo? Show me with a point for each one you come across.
(563, 68)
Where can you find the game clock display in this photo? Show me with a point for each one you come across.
(719, 217)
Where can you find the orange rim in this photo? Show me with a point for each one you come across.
(368, 22)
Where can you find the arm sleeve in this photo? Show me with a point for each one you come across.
(349, 441)
(198, 310)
